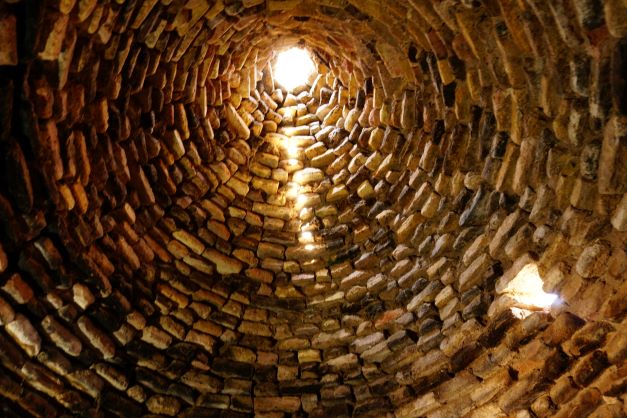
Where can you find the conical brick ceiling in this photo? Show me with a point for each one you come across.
(434, 225)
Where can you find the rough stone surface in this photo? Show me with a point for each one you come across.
(180, 235)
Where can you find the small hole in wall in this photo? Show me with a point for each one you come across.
(526, 292)
(293, 68)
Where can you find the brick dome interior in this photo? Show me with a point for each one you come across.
(181, 236)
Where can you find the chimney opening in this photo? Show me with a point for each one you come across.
(293, 68)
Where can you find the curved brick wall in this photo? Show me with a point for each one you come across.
(163, 253)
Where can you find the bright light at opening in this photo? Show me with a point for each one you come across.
(293, 68)
(526, 290)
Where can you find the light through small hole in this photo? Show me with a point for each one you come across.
(293, 68)
(526, 289)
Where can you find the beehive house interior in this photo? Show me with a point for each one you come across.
(299, 208)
